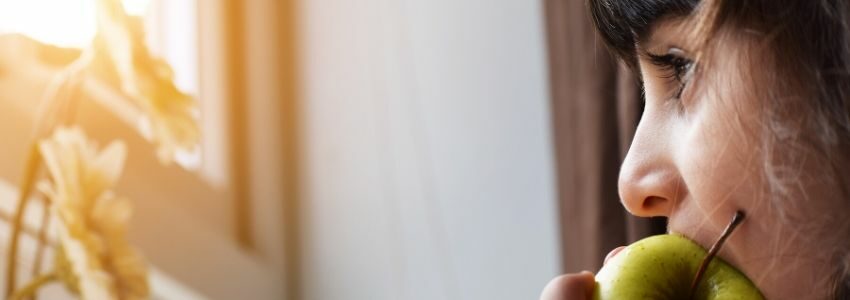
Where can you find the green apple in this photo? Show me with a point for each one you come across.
(663, 267)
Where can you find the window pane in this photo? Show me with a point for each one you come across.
(66, 23)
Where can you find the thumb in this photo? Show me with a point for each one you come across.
(577, 286)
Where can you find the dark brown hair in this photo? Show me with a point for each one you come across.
(808, 42)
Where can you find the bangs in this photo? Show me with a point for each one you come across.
(622, 23)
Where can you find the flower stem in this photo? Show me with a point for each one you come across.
(34, 285)
(30, 173)
(42, 239)
(59, 108)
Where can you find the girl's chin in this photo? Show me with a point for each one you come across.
(694, 235)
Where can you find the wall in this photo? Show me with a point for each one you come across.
(426, 150)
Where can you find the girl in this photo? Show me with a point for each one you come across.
(747, 108)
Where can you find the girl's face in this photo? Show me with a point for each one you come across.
(697, 157)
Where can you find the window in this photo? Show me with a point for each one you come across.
(184, 226)
(171, 30)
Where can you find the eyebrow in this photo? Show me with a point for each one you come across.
(650, 39)
(672, 12)
(624, 23)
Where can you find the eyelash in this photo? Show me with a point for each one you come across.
(676, 68)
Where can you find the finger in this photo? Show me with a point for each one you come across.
(613, 253)
(570, 287)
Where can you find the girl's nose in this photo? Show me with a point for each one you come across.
(650, 184)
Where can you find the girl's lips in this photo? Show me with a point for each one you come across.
(613, 253)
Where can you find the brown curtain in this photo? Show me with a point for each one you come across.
(596, 106)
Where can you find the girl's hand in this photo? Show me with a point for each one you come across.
(576, 286)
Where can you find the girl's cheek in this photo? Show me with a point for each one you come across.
(715, 163)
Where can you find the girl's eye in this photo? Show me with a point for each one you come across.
(676, 68)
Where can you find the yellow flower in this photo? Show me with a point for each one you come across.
(91, 219)
(170, 115)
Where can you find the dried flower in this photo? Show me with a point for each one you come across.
(91, 219)
(170, 115)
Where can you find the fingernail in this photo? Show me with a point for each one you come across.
(613, 253)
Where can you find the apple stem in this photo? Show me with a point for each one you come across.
(736, 220)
